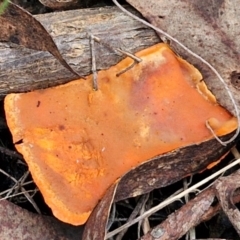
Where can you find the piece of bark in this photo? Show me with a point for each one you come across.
(226, 187)
(18, 223)
(95, 228)
(178, 223)
(19, 27)
(170, 167)
(200, 209)
(59, 4)
(23, 69)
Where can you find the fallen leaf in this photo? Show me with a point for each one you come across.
(81, 141)
(20, 27)
(209, 28)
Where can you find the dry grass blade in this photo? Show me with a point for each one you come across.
(17, 186)
(13, 189)
(134, 213)
(192, 232)
(21, 193)
(23, 190)
(145, 222)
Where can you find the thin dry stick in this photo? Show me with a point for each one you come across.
(224, 143)
(15, 187)
(18, 185)
(169, 201)
(191, 234)
(20, 193)
(116, 50)
(30, 199)
(145, 222)
(94, 68)
(27, 195)
(235, 152)
(134, 214)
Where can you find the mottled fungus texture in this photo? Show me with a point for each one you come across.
(77, 142)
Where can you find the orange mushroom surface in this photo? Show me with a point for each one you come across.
(77, 141)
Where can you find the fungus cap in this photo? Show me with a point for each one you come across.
(77, 142)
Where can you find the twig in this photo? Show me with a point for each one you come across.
(116, 50)
(94, 68)
(191, 234)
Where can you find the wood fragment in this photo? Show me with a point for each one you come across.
(97, 222)
(59, 4)
(226, 186)
(190, 215)
(18, 223)
(23, 69)
(172, 199)
(179, 222)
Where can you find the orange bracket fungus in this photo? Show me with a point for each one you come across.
(78, 142)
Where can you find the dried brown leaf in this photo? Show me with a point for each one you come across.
(20, 27)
